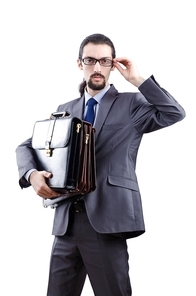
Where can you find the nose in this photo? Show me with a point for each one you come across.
(97, 67)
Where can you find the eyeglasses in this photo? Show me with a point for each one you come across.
(103, 62)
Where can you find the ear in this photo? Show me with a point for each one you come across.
(80, 64)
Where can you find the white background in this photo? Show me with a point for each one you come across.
(39, 42)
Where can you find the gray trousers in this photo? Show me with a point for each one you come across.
(83, 251)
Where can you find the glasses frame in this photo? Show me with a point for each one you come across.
(97, 60)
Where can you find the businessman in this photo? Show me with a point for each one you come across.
(90, 235)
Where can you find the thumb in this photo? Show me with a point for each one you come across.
(47, 174)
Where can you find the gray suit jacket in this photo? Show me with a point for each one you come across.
(123, 118)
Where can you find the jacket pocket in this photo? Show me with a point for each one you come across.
(122, 182)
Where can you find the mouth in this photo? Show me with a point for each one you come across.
(97, 77)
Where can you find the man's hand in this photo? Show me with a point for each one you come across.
(38, 182)
(128, 70)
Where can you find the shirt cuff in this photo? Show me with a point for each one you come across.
(28, 173)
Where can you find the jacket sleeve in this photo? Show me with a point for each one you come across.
(154, 108)
(25, 161)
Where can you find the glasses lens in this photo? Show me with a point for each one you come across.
(89, 61)
(105, 62)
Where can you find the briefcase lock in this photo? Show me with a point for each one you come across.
(48, 149)
(87, 138)
(78, 126)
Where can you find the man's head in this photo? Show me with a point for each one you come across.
(95, 58)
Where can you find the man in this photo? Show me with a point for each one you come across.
(90, 236)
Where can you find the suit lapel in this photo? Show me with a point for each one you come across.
(104, 108)
(78, 108)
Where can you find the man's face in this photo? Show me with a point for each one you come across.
(97, 75)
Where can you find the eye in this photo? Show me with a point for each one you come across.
(106, 62)
(89, 61)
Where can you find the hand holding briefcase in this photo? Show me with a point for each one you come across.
(65, 146)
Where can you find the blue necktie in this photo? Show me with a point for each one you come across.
(90, 115)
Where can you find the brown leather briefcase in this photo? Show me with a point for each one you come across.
(65, 146)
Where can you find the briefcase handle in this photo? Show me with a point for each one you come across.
(62, 114)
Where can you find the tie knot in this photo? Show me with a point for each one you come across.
(91, 102)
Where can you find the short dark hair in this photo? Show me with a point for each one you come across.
(95, 39)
